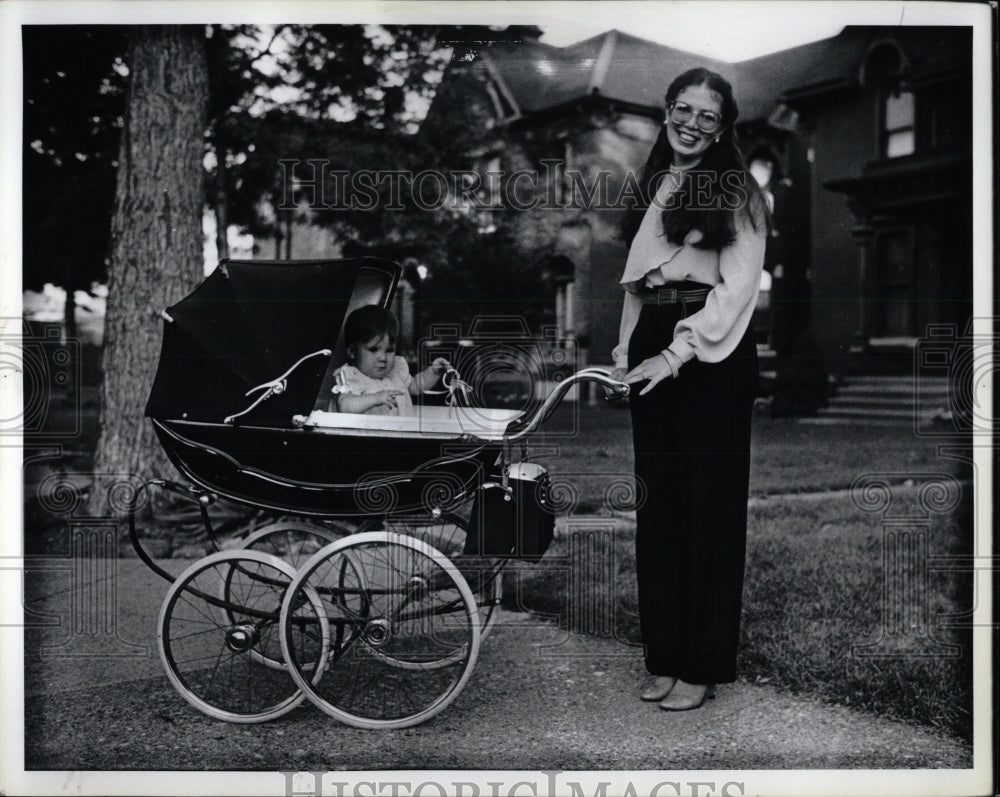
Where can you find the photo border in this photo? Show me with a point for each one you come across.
(977, 780)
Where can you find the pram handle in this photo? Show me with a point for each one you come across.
(593, 374)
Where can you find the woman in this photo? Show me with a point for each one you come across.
(696, 250)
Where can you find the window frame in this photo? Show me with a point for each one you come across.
(890, 91)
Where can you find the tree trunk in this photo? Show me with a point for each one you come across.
(70, 332)
(69, 308)
(156, 255)
(222, 206)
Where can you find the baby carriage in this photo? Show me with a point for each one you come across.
(371, 589)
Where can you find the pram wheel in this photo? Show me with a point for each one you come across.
(218, 636)
(447, 533)
(293, 541)
(404, 630)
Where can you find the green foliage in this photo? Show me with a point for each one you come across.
(802, 383)
(345, 96)
(74, 101)
(475, 273)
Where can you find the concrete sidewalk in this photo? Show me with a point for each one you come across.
(96, 697)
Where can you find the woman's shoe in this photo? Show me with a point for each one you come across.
(685, 696)
(658, 689)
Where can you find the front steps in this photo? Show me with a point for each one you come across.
(903, 401)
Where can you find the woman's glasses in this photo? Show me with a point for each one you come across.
(706, 121)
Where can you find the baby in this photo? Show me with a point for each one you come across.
(375, 380)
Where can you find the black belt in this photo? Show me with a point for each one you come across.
(674, 296)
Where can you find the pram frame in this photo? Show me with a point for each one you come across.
(483, 461)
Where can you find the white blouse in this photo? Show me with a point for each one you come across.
(712, 333)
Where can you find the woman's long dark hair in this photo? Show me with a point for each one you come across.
(724, 185)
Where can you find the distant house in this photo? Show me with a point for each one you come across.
(862, 141)
(873, 129)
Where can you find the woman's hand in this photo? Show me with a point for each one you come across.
(618, 374)
(655, 369)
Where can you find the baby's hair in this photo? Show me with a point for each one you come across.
(367, 323)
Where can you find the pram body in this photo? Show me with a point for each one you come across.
(240, 405)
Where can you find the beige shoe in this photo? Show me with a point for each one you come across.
(685, 696)
(658, 688)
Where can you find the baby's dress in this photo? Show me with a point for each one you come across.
(350, 380)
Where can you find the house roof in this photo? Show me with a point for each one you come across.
(614, 65)
(838, 61)
(640, 70)
(539, 76)
(628, 69)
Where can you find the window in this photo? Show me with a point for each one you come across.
(560, 272)
(502, 106)
(899, 116)
(885, 69)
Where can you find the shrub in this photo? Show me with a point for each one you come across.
(802, 382)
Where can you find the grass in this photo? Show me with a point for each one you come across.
(816, 617)
(813, 599)
(813, 595)
(588, 450)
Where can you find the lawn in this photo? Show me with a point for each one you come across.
(815, 574)
(588, 451)
(814, 619)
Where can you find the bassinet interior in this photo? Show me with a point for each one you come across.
(484, 423)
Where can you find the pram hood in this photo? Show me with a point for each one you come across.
(248, 323)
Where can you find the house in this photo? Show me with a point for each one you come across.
(873, 129)
(862, 142)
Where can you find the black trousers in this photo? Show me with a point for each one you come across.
(691, 438)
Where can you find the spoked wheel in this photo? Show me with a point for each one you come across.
(218, 627)
(294, 541)
(404, 630)
(447, 532)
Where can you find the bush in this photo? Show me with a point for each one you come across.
(802, 382)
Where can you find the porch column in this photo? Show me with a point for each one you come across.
(863, 234)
